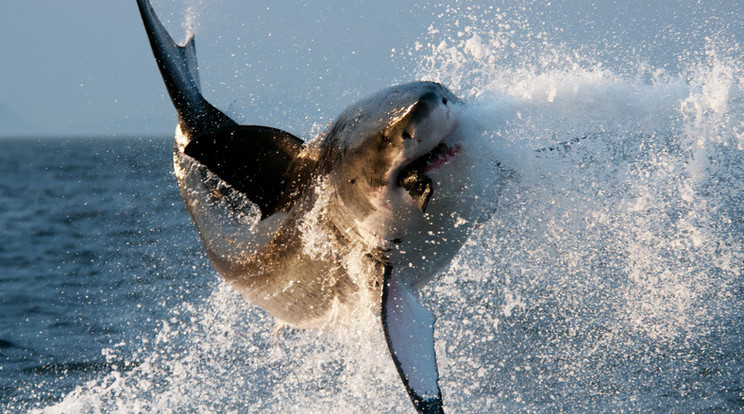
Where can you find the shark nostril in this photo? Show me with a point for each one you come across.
(407, 135)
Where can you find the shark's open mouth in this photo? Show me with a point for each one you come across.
(432, 159)
(413, 179)
(439, 156)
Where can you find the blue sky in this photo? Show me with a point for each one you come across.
(85, 68)
(68, 70)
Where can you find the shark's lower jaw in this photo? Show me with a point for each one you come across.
(413, 178)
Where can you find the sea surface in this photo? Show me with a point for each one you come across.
(83, 264)
(609, 276)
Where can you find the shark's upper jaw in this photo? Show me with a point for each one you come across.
(429, 135)
(432, 160)
(439, 156)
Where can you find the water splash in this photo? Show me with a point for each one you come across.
(609, 277)
(221, 356)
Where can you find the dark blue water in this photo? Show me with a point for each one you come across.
(95, 248)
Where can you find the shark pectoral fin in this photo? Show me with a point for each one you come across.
(409, 330)
(255, 160)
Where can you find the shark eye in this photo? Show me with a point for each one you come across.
(444, 101)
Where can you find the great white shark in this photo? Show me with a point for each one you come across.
(373, 208)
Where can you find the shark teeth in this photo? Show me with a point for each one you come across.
(439, 156)
(413, 179)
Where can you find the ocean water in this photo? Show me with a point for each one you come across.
(82, 265)
(609, 277)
